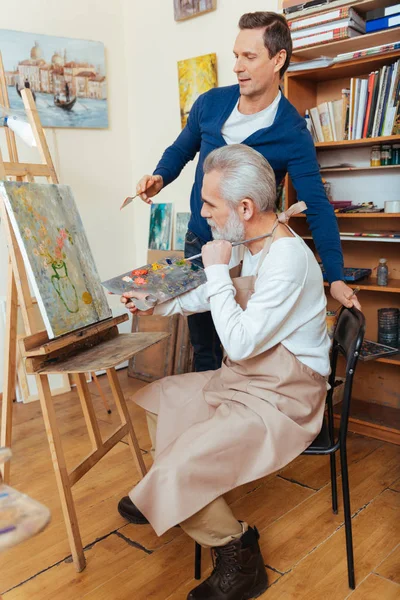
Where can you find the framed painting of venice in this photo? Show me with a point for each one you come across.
(186, 9)
(56, 254)
(67, 77)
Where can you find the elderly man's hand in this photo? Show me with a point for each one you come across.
(126, 299)
(217, 252)
(344, 294)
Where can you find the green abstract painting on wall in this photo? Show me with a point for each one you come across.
(57, 255)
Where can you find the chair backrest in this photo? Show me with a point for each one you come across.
(347, 340)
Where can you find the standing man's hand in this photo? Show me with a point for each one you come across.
(344, 294)
(217, 252)
(149, 186)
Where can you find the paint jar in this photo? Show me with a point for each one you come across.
(396, 154)
(388, 326)
(375, 156)
(382, 272)
(386, 155)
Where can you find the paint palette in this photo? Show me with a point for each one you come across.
(164, 280)
(21, 517)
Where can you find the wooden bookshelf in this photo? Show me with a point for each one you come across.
(362, 7)
(371, 285)
(358, 216)
(372, 419)
(383, 139)
(374, 411)
(353, 238)
(394, 359)
(368, 40)
(351, 169)
(352, 68)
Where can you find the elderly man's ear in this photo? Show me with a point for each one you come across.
(246, 208)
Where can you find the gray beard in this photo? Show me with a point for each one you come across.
(233, 231)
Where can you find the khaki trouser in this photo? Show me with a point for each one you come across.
(215, 524)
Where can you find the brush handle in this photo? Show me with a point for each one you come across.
(259, 237)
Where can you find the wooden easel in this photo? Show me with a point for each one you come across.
(90, 349)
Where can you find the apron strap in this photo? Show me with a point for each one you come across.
(282, 218)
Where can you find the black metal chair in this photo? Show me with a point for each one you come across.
(347, 339)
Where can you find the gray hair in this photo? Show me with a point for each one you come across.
(245, 174)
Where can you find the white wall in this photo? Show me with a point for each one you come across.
(154, 44)
(96, 163)
(143, 45)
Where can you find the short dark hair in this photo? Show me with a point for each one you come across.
(276, 35)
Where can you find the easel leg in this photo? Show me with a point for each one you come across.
(126, 418)
(10, 357)
(60, 468)
(102, 394)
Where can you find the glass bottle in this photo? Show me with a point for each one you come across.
(386, 155)
(382, 272)
(375, 156)
(396, 154)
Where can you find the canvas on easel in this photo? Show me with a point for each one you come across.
(57, 255)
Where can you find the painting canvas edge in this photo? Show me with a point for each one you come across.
(26, 260)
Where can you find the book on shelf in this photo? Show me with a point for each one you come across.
(372, 234)
(315, 63)
(382, 23)
(385, 11)
(325, 27)
(326, 126)
(294, 6)
(341, 16)
(316, 39)
(373, 350)
(382, 49)
(298, 10)
(317, 124)
(370, 108)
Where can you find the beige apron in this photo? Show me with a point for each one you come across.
(220, 429)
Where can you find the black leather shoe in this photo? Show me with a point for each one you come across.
(130, 512)
(239, 572)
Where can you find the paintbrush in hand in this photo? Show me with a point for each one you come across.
(355, 292)
(260, 237)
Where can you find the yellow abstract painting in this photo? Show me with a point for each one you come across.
(196, 76)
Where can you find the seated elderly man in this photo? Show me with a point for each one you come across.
(216, 430)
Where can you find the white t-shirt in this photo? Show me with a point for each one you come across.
(239, 127)
(288, 305)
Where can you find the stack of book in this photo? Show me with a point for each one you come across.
(324, 27)
(383, 18)
(370, 108)
(373, 51)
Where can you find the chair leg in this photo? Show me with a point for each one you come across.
(197, 561)
(347, 517)
(332, 458)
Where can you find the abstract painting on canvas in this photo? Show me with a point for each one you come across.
(57, 255)
(196, 76)
(186, 9)
(160, 226)
(181, 226)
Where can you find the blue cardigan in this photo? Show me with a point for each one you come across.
(288, 147)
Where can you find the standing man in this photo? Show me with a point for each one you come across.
(254, 113)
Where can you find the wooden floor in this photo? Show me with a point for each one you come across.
(302, 541)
